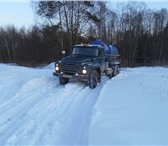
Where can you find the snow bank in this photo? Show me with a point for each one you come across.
(49, 66)
(132, 109)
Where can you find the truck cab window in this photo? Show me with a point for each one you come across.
(85, 51)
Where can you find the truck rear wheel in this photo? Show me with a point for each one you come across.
(63, 81)
(93, 79)
(111, 75)
(117, 69)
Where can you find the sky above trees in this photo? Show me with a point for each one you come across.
(16, 13)
(20, 12)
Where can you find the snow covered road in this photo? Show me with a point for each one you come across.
(36, 110)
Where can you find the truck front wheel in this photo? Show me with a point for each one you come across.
(63, 81)
(93, 79)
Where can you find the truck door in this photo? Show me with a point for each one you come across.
(102, 60)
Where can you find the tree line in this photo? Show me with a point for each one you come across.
(140, 33)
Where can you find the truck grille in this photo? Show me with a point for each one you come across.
(69, 68)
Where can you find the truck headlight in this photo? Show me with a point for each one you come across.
(84, 71)
(56, 67)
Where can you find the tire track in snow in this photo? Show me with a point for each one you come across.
(48, 131)
(19, 105)
(40, 116)
(74, 108)
(75, 132)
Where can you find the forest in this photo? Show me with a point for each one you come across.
(140, 33)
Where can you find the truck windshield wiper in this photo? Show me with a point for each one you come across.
(82, 55)
(87, 55)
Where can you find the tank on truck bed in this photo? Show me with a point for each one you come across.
(111, 51)
(88, 63)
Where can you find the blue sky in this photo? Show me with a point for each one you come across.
(17, 13)
(157, 5)
(20, 13)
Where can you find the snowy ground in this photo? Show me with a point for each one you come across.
(131, 108)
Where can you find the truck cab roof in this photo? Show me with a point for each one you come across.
(88, 45)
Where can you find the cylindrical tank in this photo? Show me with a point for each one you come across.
(108, 49)
(105, 46)
(113, 50)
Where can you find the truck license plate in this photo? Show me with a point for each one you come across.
(67, 76)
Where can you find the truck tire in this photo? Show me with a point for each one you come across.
(93, 79)
(116, 71)
(63, 81)
(111, 75)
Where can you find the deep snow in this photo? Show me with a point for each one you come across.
(131, 108)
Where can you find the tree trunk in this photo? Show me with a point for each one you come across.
(8, 50)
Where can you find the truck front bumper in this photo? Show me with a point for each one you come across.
(75, 76)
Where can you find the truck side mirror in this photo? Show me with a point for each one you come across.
(63, 53)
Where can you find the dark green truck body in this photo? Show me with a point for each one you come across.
(87, 63)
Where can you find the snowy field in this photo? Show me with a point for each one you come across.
(131, 108)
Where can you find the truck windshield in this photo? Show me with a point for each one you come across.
(85, 51)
